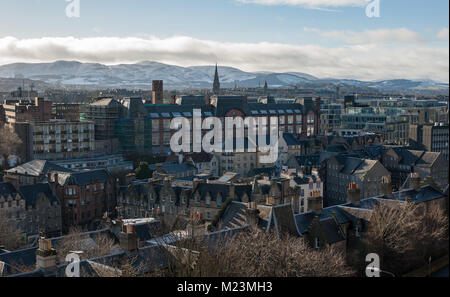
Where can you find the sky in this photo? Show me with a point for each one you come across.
(326, 38)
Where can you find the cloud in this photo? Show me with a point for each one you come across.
(359, 61)
(309, 3)
(400, 35)
(443, 34)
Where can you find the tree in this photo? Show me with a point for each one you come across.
(405, 236)
(255, 253)
(91, 246)
(143, 171)
(9, 143)
(10, 237)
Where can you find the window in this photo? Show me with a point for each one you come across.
(166, 125)
(155, 139)
(208, 200)
(155, 125)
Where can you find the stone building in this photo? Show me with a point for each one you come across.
(401, 162)
(343, 170)
(31, 210)
(43, 210)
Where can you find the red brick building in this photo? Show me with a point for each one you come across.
(85, 196)
(38, 110)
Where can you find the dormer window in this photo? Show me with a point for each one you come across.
(208, 200)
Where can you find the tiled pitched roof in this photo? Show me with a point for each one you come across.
(173, 168)
(303, 221)
(83, 178)
(37, 168)
(32, 192)
(283, 220)
(7, 189)
(223, 189)
(332, 230)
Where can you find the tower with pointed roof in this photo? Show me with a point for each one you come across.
(216, 84)
(265, 87)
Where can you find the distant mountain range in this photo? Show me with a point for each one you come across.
(72, 74)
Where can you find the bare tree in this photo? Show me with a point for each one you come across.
(91, 246)
(10, 237)
(9, 143)
(256, 253)
(405, 236)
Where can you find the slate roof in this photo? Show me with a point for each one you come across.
(223, 189)
(413, 157)
(234, 216)
(17, 259)
(282, 219)
(332, 230)
(269, 171)
(110, 102)
(173, 110)
(425, 194)
(303, 221)
(83, 178)
(305, 179)
(308, 160)
(37, 168)
(355, 166)
(174, 168)
(290, 139)
(216, 239)
(7, 189)
(133, 107)
(202, 157)
(336, 148)
(226, 103)
(193, 100)
(32, 192)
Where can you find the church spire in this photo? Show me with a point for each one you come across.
(265, 87)
(216, 84)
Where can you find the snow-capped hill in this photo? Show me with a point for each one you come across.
(140, 75)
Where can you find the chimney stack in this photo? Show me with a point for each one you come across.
(414, 180)
(252, 214)
(354, 194)
(46, 257)
(128, 238)
(315, 202)
(386, 186)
